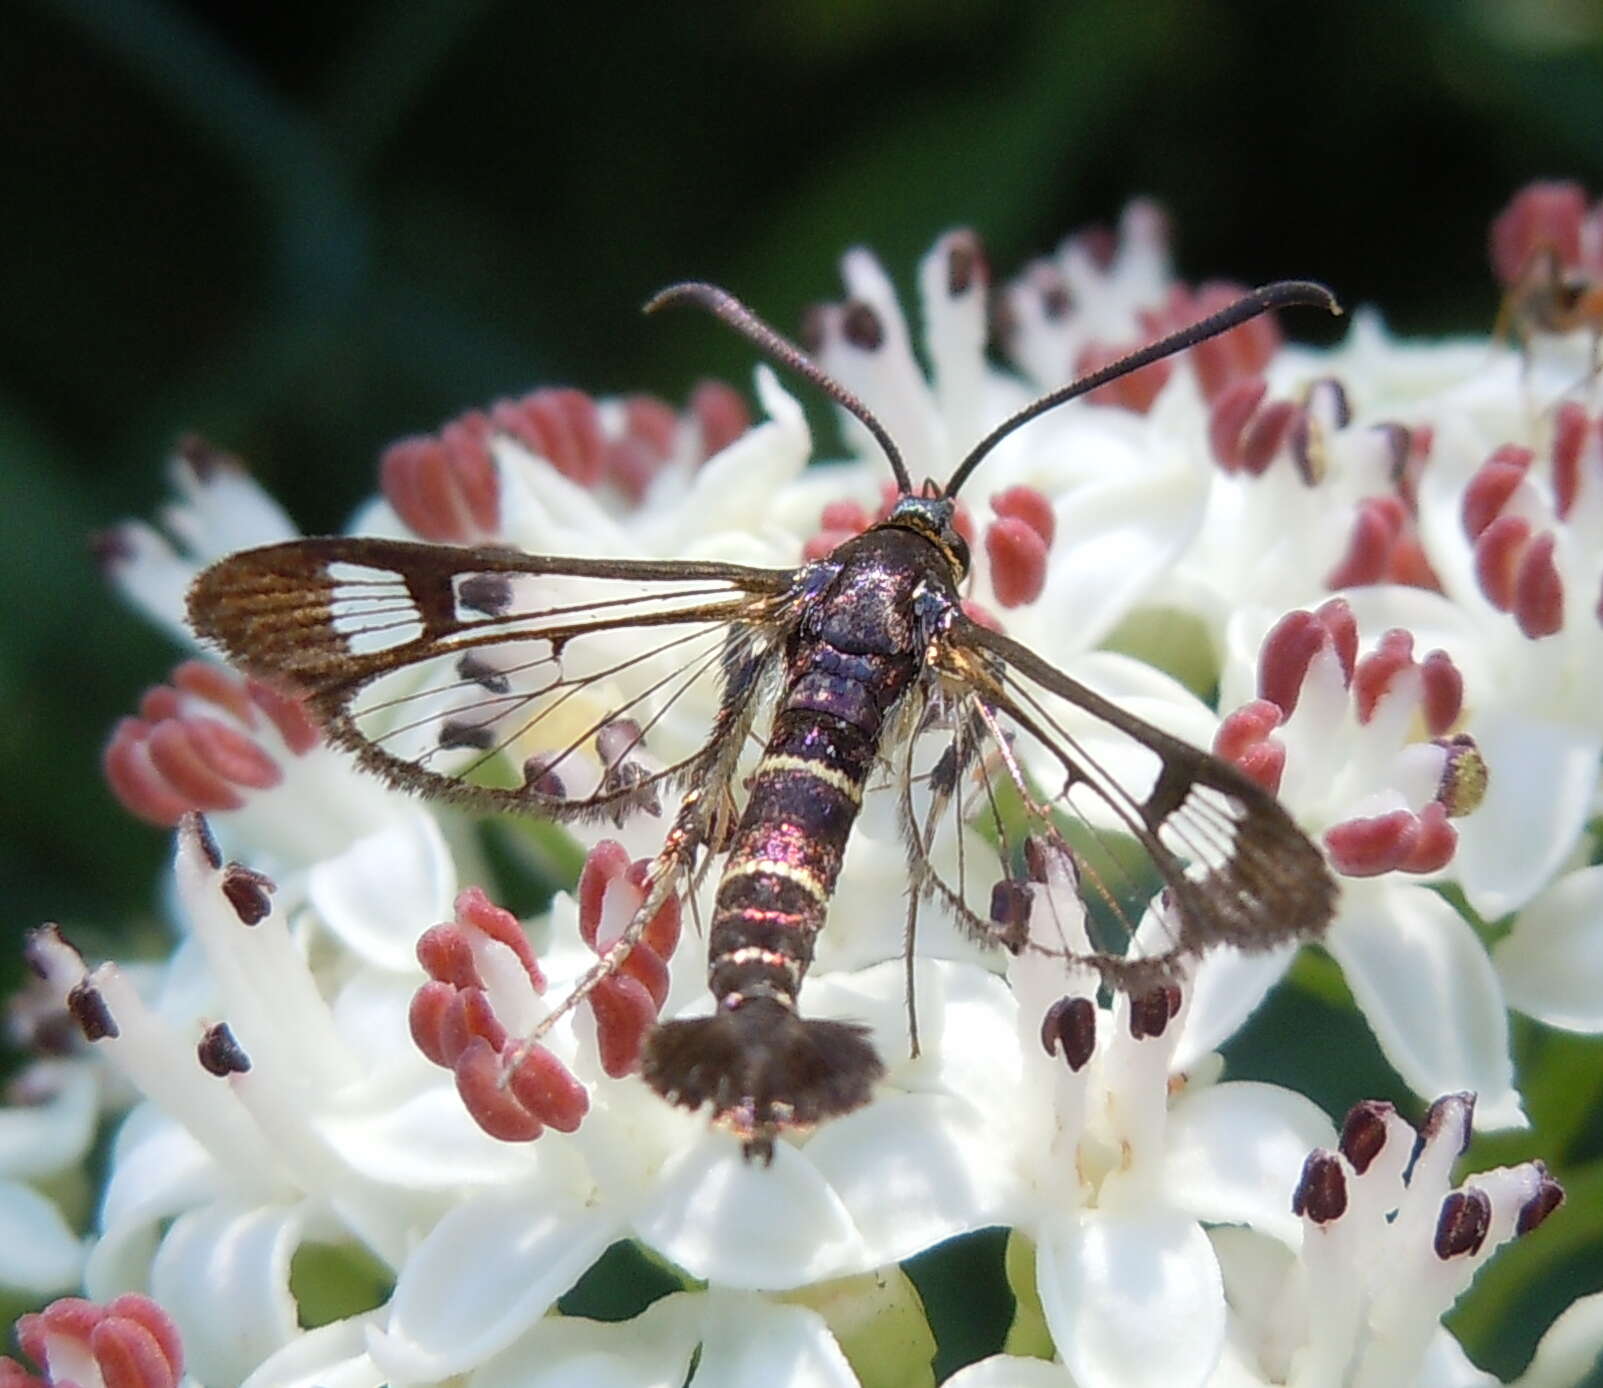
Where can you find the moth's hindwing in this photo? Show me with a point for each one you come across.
(562, 687)
(1029, 751)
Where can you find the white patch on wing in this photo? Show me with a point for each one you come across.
(371, 608)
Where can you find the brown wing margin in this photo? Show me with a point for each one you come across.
(1236, 866)
(473, 647)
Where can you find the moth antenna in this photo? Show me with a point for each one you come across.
(1280, 294)
(780, 350)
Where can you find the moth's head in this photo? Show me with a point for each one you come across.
(932, 517)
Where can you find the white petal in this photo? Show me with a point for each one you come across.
(222, 1273)
(1132, 1301)
(39, 1253)
(152, 576)
(385, 890)
(1235, 1152)
(912, 1170)
(37, 1139)
(1570, 1349)
(1424, 983)
(1540, 780)
(748, 1341)
(708, 1202)
(1226, 988)
(483, 1275)
(1445, 1365)
(332, 1356)
(1551, 962)
(654, 1350)
(1011, 1371)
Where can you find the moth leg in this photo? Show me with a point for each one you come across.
(909, 936)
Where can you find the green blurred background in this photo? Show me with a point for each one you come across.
(303, 231)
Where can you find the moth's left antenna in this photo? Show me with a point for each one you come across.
(781, 350)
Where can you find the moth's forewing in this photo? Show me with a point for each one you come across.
(562, 687)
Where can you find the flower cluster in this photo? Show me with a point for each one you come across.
(359, 1071)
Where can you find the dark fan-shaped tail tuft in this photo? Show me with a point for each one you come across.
(763, 1068)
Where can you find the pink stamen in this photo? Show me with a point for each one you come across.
(1491, 487)
(1373, 845)
(561, 425)
(1571, 429)
(1136, 391)
(1244, 739)
(1538, 590)
(1542, 216)
(1291, 645)
(1443, 692)
(545, 1086)
(1378, 524)
(1376, 674)
(1436, 843)
(1018, 560)
(133, 1342)
(444, 487)
(475, 911)
(1497, 559)
(721, 414)
(1228, 417)
(1030, 506)
(624, 1012)
(490, 1102)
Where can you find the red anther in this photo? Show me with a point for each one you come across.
(1543, 216)
(176, 755)
(231, 754)
(979, 613)
(160, 702)
(721, 414)
(470, 1015)
(1266, 434)
(129, 1356)
(446, 954)
(287, 714)
(1538, 590)
(650, 430)
(1410, 566)
(963, 523)
(1228, 416)
(1243, 351)
(475, 910)
(824, 544)
(1368, 847)
(1443, 692)
(490, 1103)
(844, 515)
(1017, 556)
(662, 933)
(217, 686)
(425, 1018)
(1436, 844)
(1030, 506)
(444, 487)
(647, 968)
(1244, 740)
(548, 1089)
(141, 789)
(13, 1375)
(1136, 391)
(1377, 523)
(652, 421)
(1377, 672)
(1570, 428)
(1287, 652)
(562, 426)
(1492, 485)
(604, 863)
(1497, 560)
(624, 1013)
(1336, 616)
(145, 1312)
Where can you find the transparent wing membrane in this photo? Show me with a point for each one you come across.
(567, 688)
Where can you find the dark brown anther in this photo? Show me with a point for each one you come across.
(1549, 1196)
(1010, 904)
(1152, 1011)
(1043, 852)
(111, 547)
(1069, 1028)
(1055, 300)
(89, 1010)
(1306, 449)
(617, 739)
(965, 263)
(204, 458)
(249, 892)
(540, 778)
(1399, 444)
(459, 732)
(861, 326)
(194, 823)
(1330, 388)
(814, 329)
(1363, 1132)
(476, 668)
(490, 594)
(1321, 1193)
(1459, 1108)
(220, 1054)
(1461, 1227)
